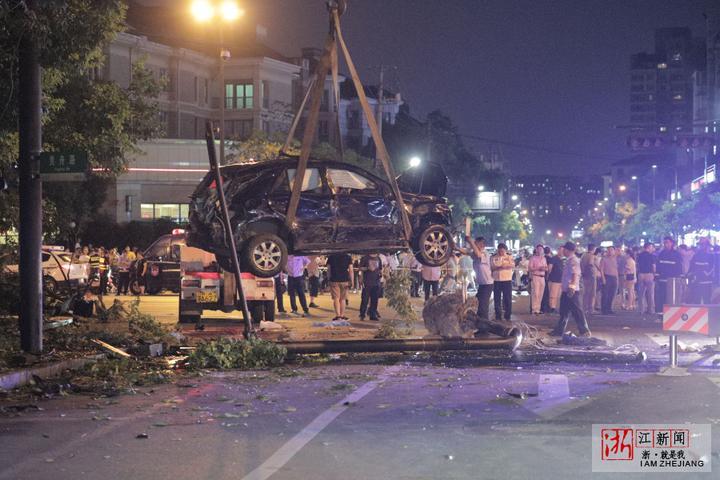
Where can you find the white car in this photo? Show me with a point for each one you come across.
(58, 269)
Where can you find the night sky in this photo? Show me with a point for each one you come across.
(547, 73)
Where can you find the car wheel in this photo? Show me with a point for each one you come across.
(265, 255)
(434, 246)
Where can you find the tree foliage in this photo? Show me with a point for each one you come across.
(80, 111)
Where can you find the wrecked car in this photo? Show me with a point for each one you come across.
(342, 208)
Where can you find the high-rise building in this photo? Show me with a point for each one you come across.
(661, 88)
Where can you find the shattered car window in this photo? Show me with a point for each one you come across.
(312, 181)
(346, 179)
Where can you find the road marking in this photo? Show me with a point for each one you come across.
(285, 453)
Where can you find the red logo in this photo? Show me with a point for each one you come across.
(617, 444)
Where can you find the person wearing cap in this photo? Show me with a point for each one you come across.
(701, 270)
(502, 266)
(570, 297)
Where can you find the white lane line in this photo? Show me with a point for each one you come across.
(285, 453)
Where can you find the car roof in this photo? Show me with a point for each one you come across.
(290, 161)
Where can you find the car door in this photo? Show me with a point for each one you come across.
(314, 228)
(366, 211)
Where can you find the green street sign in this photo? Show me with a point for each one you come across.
(63, 162)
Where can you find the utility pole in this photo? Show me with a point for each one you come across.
(30, 135)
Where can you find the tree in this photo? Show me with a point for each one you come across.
(80, 111)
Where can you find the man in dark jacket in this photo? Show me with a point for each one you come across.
(669, 266)
(702, 266)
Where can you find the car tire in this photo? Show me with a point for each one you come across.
(264, 255)
(434, 246)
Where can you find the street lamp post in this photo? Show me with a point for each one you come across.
(227, 11)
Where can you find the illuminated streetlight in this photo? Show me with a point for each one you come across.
(560, 235)
(634, 177)
(514, 198)
(415, 162)
(605, 199)
(204, 11)
(622, 188)
(548, 232)
(481, 188)
(229, 11)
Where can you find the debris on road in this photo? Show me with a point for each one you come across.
(113, 350)
(230, 353)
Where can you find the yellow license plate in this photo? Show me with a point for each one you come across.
(206, 297)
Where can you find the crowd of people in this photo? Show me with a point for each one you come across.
(112, 271)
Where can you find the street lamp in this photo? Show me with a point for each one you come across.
(227, 11)
(622, 188)
(415, 162)
(481, 188)
(548, 232)
(514, 198)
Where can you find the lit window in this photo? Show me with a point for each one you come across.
(239, 96)
(662, 66)
(663, 129)
(178, 212)
(678, 97)
(147, 211)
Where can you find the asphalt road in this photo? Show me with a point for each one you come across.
(411, 416)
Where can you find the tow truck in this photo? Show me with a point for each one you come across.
(205, 286)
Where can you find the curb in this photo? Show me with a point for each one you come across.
(15, 379)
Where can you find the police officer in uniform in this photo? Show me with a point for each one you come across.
(702, 269)
(669, 266)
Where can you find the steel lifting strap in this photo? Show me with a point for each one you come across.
(328, 61)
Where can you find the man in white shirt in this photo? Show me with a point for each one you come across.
(502, 266)
(483, 275)
(431, 279)
(537, 267)
(570, 298)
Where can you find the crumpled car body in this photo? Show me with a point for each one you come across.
(342, 208)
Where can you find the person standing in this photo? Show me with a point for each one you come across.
(629, 280)
(313, 271)
(138, 271)
(449, 281)
(340, 272)
(483, 275)
(646, 280)
(701, 271)
(371, 267)
(589, 279)
(411, 264)
(124, 262)
(502, 266)
(295, 269)
(545, 304)
(669, 266)
(555, 281)
(280, 289)
(570, 298)
(538, 268)
(431, 279)
(609, 275)
(466, 269)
